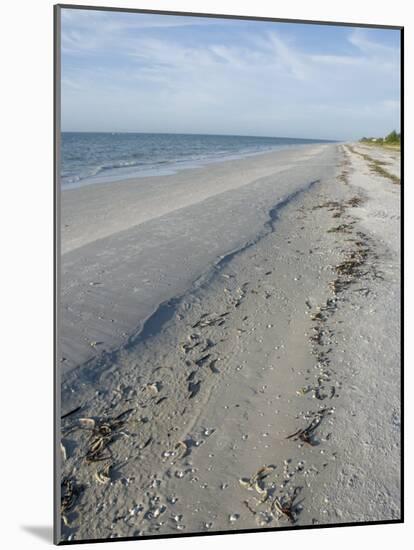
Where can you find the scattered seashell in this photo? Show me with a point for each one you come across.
(245, 482)
(167, 454)
(153, 387)
(183, 448)
(135, 510)
(261, 490)
(87, 423)
(103, 476)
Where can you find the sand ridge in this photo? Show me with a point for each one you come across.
(113, 284)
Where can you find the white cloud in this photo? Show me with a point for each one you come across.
(264, 84)
(291, 60)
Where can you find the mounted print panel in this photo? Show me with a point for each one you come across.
(228, 313)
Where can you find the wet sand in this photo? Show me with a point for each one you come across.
(130, 246)
(265, 390)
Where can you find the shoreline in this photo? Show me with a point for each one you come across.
(172, 167)
(257, 165)
(176, 168)
(280, 338)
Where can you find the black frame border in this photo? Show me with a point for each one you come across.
(56, 263)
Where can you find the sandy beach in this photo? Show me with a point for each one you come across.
(230, 346)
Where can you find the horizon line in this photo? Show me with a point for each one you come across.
(191, 134)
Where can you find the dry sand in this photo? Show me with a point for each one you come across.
(298, 332)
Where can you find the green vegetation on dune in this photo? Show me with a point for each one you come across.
(392, 140)
(392, 137)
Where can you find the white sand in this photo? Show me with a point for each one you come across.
(255, 375)
(132, 245)
(388, 158)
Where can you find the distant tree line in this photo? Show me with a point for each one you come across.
(392, 138)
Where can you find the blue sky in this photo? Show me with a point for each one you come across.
(155, 73)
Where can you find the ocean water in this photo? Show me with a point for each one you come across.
(98, 157)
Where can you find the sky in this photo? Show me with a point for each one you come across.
(134, 72)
